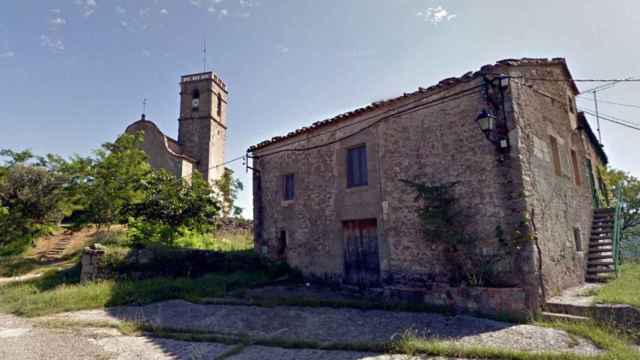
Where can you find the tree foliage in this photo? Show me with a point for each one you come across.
(116, 185)
(615, 178)
(229, 187)
(170, 207)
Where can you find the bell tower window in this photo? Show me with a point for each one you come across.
(195, 100)
(219, 106)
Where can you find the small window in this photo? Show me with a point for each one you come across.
(357, 166)
(576, 168)
(195, 99)
(571, 104)
(577, 237)
(289, 186)
(282, 244)
(555, 153)
(219, 106)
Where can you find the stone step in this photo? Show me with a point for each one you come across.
(604, 211)
(550, 316)
(600, 278)
(600, 243)
(599, 256)
(601, 262)
(601, 232)
(598, 271)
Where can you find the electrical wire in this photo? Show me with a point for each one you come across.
(610, 117)
(433, 103)
(613, 103)
(606, 118)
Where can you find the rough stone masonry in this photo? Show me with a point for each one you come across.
(538, 187)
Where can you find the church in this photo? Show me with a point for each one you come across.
(201, 131)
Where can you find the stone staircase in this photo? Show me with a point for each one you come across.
(600, 263)
(59, 247)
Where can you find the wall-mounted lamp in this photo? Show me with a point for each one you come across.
(488, 124)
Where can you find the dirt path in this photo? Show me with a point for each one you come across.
(327, 325)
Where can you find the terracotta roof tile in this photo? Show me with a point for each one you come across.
(443, 84)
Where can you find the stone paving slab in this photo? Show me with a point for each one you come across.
(327, 325)
(262, 352)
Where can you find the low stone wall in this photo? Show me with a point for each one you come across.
(622, 316)
(91, 263)
(507, 303)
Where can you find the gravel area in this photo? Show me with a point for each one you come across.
(338, 325)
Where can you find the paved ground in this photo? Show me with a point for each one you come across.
(337, 325)
(22, 339)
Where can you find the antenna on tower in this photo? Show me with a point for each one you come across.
(144, 107)
(204, 55)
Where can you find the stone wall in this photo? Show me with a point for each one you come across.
(559, 201)
(435, 144)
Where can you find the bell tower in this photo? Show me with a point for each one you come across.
(203, 122)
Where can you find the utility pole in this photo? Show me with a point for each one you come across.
(595, 100)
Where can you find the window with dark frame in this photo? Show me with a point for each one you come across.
(195, 99)
(219, 109)
(577, 237)
(288, 186)
(555, 154)
(576, 168)
(357, 171)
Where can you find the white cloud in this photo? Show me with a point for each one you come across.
(436, 15)
(196, 3)
(224, 12)
(120, 10)
(144, 12)
(54, 45)
(146, 53)
(56, 22)
(164, 11)
(87, 7)
(7, 54)
(282, 49)
(124, 24)
(55, 11)
(211, 9)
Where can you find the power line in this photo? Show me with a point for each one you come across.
(615, 103)
(613, 120)
(574, 80)
(433, 103)
(612, 117)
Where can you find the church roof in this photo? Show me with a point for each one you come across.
(442, 85)
(171, 145)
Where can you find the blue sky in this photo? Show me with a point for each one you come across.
(74, 72)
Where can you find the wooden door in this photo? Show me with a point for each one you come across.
(361, 260)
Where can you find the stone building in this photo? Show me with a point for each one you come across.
(201, 132)
(331, 199)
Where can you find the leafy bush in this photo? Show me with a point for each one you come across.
(171, 208)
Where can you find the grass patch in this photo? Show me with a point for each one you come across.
(60, 291)
(623, 290)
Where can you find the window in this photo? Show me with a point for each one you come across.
(288, 186)
(571, 104)
(577, 237)
(357, 166)
(281, 251)
(195, 99)
(219, 106)
(576, 168)
(555, 154)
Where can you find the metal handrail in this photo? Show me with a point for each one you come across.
(618, 221)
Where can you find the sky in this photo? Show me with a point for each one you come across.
(74, 73)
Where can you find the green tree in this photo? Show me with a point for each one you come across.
(615, 178)
(31, 202)
(108, 185)
(172, 206)
(229, 187)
